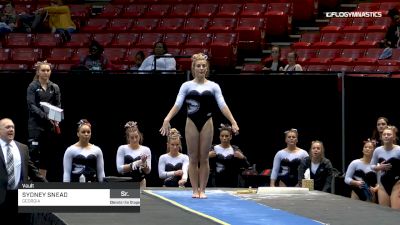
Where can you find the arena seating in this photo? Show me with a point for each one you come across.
(217, 28)
(347, 44)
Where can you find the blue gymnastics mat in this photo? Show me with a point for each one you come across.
(225, 208)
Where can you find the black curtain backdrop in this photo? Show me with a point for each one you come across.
(264, 107)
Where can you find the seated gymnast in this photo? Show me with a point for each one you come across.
(226, 161)
(286, 162)
(133, 158)
(360, 176)
(83, 158)
(173, 166)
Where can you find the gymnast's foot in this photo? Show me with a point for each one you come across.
(195, 195)
(202, 195)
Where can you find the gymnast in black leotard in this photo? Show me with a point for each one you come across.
(360, 176)
(286, 162)
(386, 161)
(173, 166)
(133, 158)
(83, 158)
(199, 95)
(227, 161)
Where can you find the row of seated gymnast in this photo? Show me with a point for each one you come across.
(375, 177)
(133, 160)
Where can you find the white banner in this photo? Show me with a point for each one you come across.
(72, 197)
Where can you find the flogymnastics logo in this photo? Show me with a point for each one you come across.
(358, 14)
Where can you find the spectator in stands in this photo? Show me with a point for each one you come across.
(386, 162)
(292, 65)
(139, 57)
(320, 168)
(83, 161)
(42, 131)
(286, 162)
(133, 158)
(60, 20)
(95, 61)
(173, 166)
(32, 22)
(200, 95)
(392, 38)
(381, 124)
(8, 19)
(226, 161)
(273, 63)
(162, 63)
(360, 176)
(387, 51)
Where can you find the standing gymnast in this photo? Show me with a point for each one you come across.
(200, 95)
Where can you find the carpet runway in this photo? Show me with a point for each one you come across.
(175, 206)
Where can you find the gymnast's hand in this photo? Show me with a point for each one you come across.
(374, 189)
(235, 129)
(182, 183)
(212, 154)
(385, 166)
(164, 130)
(238, 154)
(178, 173)
(359, 183)
(143, 158)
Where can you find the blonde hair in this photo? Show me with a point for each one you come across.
(174, 134)
(37, 67)
(200, 56)
(292, 130)
(322, 149)
(394, 130)
(130, 127)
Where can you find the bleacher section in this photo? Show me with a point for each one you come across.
(219, 28)
(126, 26)
(346, 44)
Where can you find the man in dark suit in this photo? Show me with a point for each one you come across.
(15, 168)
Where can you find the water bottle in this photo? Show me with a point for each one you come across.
(82, 179)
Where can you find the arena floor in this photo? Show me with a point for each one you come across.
(314, 207)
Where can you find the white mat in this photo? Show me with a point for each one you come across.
(282, 190)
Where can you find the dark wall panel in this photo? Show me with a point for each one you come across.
(368, 98)
(264, 107)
